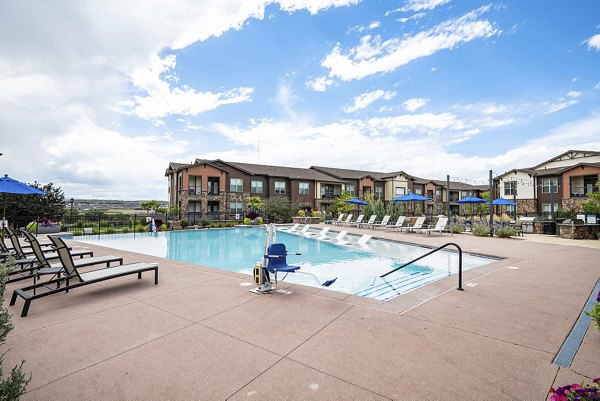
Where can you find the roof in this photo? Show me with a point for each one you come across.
(514, 170)
(348, 174)
(568, 153)
(560, 170)
(293, 173)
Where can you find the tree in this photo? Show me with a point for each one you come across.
(379, 209)
(13, 386)
(340, 205)
(395, 210)
(483, 208)
(278, 209)
(592, 205)
(147, 205)
(28, 207)
(254, 203)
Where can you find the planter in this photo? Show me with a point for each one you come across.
(48, 229)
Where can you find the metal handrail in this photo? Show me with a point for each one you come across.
(429, 253)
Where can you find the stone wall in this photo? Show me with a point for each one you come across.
(525, 206)
(579, 231)
(573, 203)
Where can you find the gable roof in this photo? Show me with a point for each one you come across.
(571, 154)
(293, 173)
(348, 174)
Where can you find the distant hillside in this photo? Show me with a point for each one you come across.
(83, 204)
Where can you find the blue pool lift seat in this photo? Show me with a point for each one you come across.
(277, 260)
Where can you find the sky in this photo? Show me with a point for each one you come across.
(99, 97)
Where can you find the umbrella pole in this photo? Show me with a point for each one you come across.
(3, 218)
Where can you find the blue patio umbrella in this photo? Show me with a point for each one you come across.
(504, 202)
(472, 200)
(356, 201)
(11, 186)
(411, 197)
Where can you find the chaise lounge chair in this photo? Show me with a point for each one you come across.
(398, 225)
(418, 225)
(362, 241)
(439, 226)
(339, 219)
(356, 222)
(80, 279)
(320, 234)
(338, 238)
(382, 224)
(368, 223)
(291, 229)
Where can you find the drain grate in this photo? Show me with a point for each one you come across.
(567, 352)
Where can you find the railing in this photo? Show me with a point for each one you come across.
(429, 253)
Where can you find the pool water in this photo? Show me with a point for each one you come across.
(356, 268)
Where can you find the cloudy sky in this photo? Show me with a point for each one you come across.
(99, 96)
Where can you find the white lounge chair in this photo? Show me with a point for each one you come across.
(362, 241)
(291, 229)
(398, 225)
(320, 234)
(383, 223)
(338, 238)
(418, 225)
(339, 219)
(368, 223)
(304, 229)
(348, 219)
(439, 226)
(358, 220)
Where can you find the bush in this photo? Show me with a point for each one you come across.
(184, 223)
(251, 215)
(480, 230)
(575, 391)
(456, 229)
(125, 230)
(278, 209)
(140, 228)
(247, 221)
(301, 213)
(205, 223)
(163, 227)
(595, 312)
(158, 222)
(506, 232)
(259, 220)
(110, 230)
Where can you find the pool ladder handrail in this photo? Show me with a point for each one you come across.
(429, 253)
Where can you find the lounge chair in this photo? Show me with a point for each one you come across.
(439, 226)
(358, 220)
(320, 234)
(347, 221)
(362, 241)
(368, 223)
(338, 238)
(305, 229)
(382, 224)
(44, 267)
(291, 229)
(339, 219)
(418, 225)
(73, 278)
(398, 225)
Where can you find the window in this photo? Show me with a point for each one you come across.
(510, 188)
(195, 207)
(464, 194)
(549, 183)
(195, 185)
(235, 185)
(351, 189)
(438, 194)
(399, 191)
(303, 188)
(438, 208)
(546, 208)
(236, 207)
(378, 192)
(430, 193)
(213, 186)
(327, 191)
(256, 187)
(418, 191)
(280, 187)
(366, 190)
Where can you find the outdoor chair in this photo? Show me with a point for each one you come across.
(290, 229)
(347, 221)
(399, 223)
(73, 278)
(383, 223)
(418, 225)
(339, 219)
(44, 267)
(320, 234)
(338, 238)
(358, 220)
(439, 226)
(362, 241)
(368, 223)
(305, 229)
(277, 261)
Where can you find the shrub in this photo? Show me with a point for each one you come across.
(278, 209)
(163, 227)
(158, 222)
(595, 312)
(184, 223)
(480, 230)
(506, 232)
(13, 385)
(301, 213)
(247, 221)
(581, 392)
(456, 229)
(125, 230)
(259, 220)
(110, 230)
(140, 228)
(252, 215)
(204, 223)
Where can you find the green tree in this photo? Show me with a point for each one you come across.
(254, 203)
(52, 204)
(147, 205)
(379, 209)
(483, 208)
(278, 209)
(369, 208)
(340, 205)
(592, 205)
(395, 210)
(12, 386)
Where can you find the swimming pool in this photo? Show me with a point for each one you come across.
(356, 268)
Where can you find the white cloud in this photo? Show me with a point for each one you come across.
(374, 25)
(414, 104)
(573, 94)
(319, 84)
(364, 100)
(597, 86)
(554, 107)
(593, 42)
(412, 17)
(374, 56)
(418, 5)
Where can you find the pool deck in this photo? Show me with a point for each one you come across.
(201, 335)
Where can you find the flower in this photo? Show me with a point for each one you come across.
(579, 392)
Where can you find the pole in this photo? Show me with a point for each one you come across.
(491, 207)
(515, 199)
(448, 196)
(551, 200)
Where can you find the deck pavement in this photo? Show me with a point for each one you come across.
(201, 335)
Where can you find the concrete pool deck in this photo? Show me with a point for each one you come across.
(200, 335)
